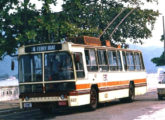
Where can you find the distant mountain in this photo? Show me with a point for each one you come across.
(4, 76)
(149, 53)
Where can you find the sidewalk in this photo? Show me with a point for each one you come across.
(9, 106)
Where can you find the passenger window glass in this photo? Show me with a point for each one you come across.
(102, 60)
(130, 61)
(119, 61)
(112, 58)
(137, 61)
(91, 60)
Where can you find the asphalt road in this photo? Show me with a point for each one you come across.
(116, 110)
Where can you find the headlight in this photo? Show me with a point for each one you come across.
(62, 97)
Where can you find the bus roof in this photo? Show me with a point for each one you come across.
(104, 47)
(84, 41)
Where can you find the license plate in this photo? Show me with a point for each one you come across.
(27, 105)
(62, 103)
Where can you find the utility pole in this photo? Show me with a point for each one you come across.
(164, 35)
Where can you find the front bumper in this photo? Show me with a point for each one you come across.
(43, 101)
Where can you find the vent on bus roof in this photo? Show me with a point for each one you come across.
(108, 43)
(85, 40)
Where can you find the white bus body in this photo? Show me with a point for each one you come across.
(98, 74)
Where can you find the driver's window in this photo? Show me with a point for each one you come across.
(79, 65)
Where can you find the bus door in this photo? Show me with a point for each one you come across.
(103, 67)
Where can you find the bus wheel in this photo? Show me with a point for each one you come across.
(93, 99)
(131, 92)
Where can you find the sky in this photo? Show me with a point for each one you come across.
(158, 30)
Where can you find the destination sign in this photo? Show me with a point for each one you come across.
(42, 48)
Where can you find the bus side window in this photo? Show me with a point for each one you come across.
(137, 61)
(142, 63)
(130, 61)
(112, 59)
(124, 60)
(79, 65)
(102, 60)
(90, 56)
(119, 61)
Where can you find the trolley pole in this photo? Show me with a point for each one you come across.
(164, 35)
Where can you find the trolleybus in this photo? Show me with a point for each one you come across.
(78, 72)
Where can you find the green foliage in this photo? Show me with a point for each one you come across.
(162, 38)
(97, 14)
(22, 24)
(159, 61)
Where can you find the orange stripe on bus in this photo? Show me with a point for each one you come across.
(140, 81)
(83, 86)
(118, 83)
(113, 83)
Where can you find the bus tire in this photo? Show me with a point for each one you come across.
(131, 92)
(93, 99)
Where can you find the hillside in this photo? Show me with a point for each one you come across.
(149, 53)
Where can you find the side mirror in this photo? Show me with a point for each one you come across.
(12, 65)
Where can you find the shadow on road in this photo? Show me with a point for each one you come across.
(37, 114)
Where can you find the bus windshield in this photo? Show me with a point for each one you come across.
(30, 68)
(58, 66)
